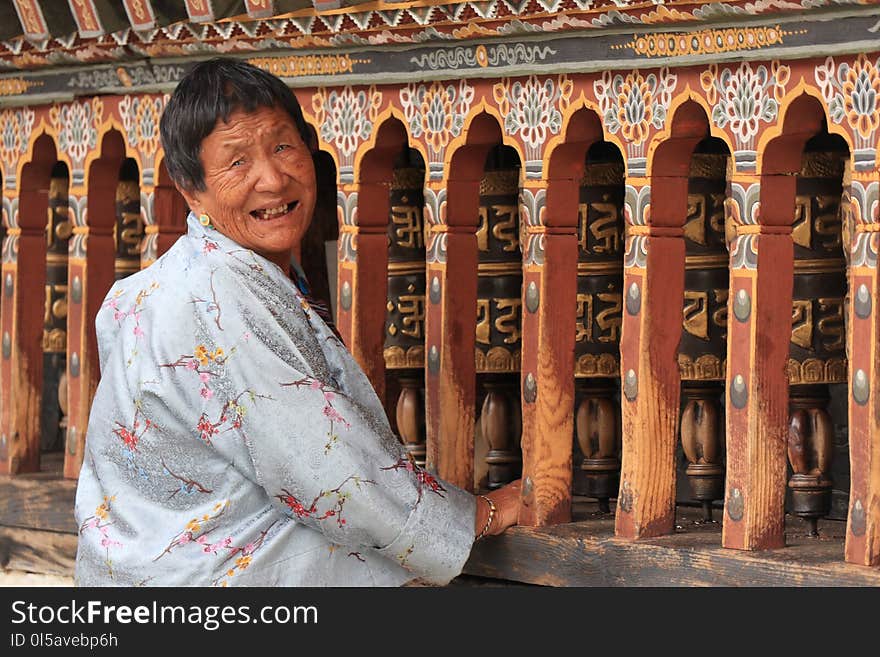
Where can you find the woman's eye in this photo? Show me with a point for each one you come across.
(237, 163)
(281, 147)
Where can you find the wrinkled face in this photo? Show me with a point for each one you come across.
(260, 182)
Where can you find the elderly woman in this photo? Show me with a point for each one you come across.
(233, 440)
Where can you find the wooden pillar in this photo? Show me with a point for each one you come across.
(450, 326)
(863, 523)
(363, 269)
(759, 332)
(164, 217)
(149, 243)
(22, 312)
(90, 276)
(24, 279)
(653, 287)
(549, 301)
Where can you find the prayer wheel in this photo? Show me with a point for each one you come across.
(703, 346)
(818, 336)
(599, 315)
(499, 315)
(58, 231)
(404, 349)
(129, 230)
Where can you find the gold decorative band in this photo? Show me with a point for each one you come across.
(597, 365)
(655, 231)
(608, 267)
(551, 230)
(815, 370)
(403, 268)
(497, 359)
(499, 269)
(126, 264)
(56, 259)
(149, 229)
(713, 261)
(756, 229)
(868, 228)
(397, 358)
(820, 266)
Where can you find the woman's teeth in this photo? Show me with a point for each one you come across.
(271, 213)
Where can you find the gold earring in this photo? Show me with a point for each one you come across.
(205, 220)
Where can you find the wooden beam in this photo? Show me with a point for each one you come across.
(547, 379)
(759, 332)
(39, 501)
(653, 287)
(36, 551)
(863, 528)
(586, 553)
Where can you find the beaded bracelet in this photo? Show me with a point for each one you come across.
(492, 510)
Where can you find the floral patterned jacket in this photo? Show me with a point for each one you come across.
(234, 440)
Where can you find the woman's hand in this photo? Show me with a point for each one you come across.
(506, 501)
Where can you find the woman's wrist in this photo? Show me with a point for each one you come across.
(486, 527)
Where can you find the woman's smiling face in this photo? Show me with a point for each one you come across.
(259, 182)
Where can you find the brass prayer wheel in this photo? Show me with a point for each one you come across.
(404, 349)
(499, 313)
(818, 336)
(703, 346)
(129, 229)
(58, 231)
(598, 322)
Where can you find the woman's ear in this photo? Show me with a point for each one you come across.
(191, 199)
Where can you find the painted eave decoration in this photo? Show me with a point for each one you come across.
(57, 50)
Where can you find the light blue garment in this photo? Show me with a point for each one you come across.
(233, 440)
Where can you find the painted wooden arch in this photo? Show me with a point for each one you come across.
(656, 117)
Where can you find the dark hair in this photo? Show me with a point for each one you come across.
(212, 90)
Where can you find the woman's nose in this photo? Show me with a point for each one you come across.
(270, 177)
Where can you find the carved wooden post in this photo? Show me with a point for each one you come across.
(759, 332)
(450, 328)
(410, 416)
(164, 218)
(598, 433)
(599, 310)
(362, 283)
(818, 356)
(24, 272)
(703, 343)
(405, 320)
(653, 286)
(549, 293)
(90, 275)
(22, 312)
(862, 204)
(757, 348)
